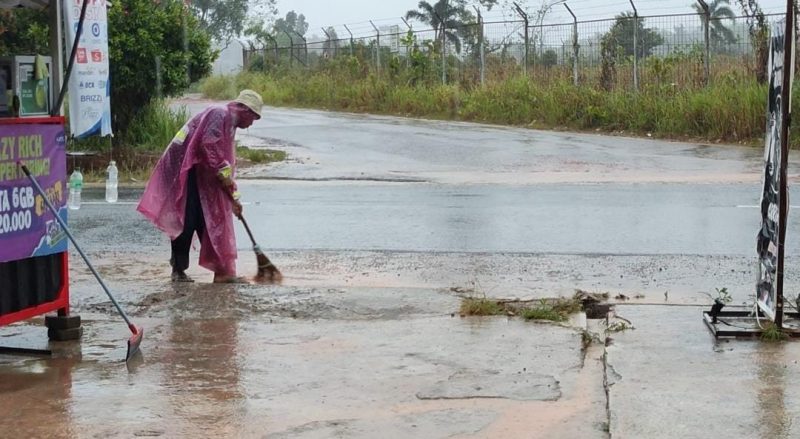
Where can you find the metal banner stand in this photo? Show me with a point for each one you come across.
(744, 323)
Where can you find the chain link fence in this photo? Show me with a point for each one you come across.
(629, 51)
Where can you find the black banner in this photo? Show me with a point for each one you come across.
(768, 237)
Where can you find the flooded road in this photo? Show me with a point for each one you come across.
(382, 226)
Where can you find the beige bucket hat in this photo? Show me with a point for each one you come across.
(251, 100)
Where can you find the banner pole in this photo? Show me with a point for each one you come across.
(783, 196)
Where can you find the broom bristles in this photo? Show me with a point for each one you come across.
(266, 269)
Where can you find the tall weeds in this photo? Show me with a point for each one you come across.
(730, 109)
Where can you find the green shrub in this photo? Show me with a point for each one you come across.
(153, 127)
(219, 87)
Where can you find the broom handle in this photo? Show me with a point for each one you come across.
(249, 233)
(241, 218)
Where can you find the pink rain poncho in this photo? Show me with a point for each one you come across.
(206, 144)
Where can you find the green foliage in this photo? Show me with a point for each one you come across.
(758, 29)
(450, 17)
(149, 133)
(152, 128)
(293, 22)
(24, 31)
(723, 295)
(480, 307)
(256, 64)
(556, 310)
(261, 32)
(219, 87)
(730, 109)
(549, 58)
(260, 155)
(139, 34)
(542, 313)
(719, 10)
(620, 37)
(772, 334)
(223, 19)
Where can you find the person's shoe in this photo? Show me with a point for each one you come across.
(179, 276)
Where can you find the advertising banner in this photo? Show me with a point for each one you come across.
(89, 89)
(27, 228)
(767, 240)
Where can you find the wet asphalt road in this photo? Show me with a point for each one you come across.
(598, 219)
(563, 204)
(381, 225)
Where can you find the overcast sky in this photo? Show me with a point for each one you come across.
(356, 13)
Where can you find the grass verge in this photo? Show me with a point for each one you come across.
(731, 109)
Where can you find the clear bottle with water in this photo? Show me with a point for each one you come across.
(75, 187)
(112, 182)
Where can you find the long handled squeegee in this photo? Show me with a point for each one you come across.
(137, 331)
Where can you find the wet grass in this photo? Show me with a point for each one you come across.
(542, 313)
(772, 334)
(260, 155)
(480, 307)
(554, 310)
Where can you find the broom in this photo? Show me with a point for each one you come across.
(267, 271)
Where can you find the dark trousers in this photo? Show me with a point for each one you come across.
(193, 222)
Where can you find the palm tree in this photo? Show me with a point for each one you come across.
(719, 10)
(446, 16)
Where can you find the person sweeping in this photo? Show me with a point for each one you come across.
(193, 188)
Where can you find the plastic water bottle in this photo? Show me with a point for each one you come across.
(75, 187)
(111, 182)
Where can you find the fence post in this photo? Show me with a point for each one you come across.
(378, 48)
(291, 48)
(305, 46)
(527, 40)
(444, 40)
(706, 37)
(408, 46)
(275, 46)
(351, 39)
(635, 51)
(480, 45)
(574, 46)
(328, 42)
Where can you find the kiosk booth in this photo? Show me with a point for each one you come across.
(34, 265)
